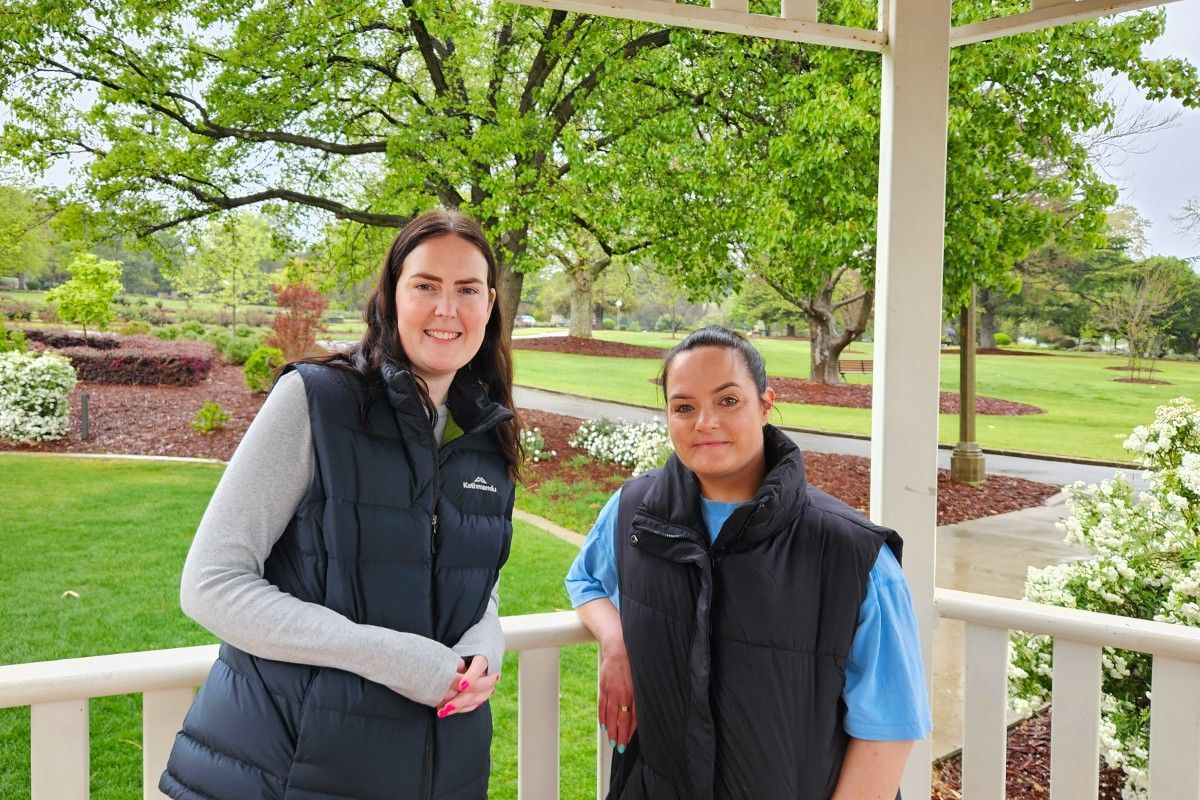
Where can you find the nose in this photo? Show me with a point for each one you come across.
(446, 306)
(706, 419)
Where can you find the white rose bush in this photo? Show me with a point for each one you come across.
(1145, 564)
(638, 446)
(35, 393)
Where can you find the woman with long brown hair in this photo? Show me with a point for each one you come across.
(349, 557)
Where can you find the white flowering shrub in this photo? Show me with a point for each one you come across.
(34, 396)
(639, 446)
(1145, 564)
(535, 445)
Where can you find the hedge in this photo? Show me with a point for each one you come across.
(60, 339)
(145, 360)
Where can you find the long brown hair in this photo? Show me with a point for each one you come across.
(380, 344)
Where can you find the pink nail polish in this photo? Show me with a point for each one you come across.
(448, 709)
(462, 687)
(441, 713)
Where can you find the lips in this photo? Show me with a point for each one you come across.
(709, 444)
(443, 336)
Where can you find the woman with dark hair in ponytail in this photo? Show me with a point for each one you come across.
(349, 557)
(757, 637)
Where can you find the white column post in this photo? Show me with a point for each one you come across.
(537, 724)
(908, 305)
(163, 711)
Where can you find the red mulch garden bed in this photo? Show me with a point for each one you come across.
(788, 390)
(1027, 773)
(858, 395)
(587, 347)
(846, 477)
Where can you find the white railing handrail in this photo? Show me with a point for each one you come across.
(150, 670)
(1089, 627)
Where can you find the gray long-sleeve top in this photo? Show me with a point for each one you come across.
(224, 590)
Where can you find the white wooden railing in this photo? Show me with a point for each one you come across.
(1075, 710)
(58, 693)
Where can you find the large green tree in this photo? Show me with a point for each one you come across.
(796, 146)
(369, 111)
(231, 261)
(26, 235)
(87, 298)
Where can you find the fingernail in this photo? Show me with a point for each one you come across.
(620, 748)
(441, 713)
(603, 728)
(462, 687)
(612, 742)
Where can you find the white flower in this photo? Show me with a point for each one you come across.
(35, 393)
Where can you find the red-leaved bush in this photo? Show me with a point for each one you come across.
(298, 320)
(60, 338)
(145, 360)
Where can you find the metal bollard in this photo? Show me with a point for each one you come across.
(84, 432)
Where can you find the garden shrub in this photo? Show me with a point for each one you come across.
(639, 446)
(609, 324)
(237, 349)
(298, 321)
(16, 310)
(48, 314)
(1145, 564)
(13, 342)
(35, 392)
(1065, 343)
(134, 328)
(209, 418)
(261, 366)
(1003, 340)
(60, 338)
(534, 445)
(145, 361)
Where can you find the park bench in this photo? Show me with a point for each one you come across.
(855, 365)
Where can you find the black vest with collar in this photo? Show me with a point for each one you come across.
(393, 532)
(739, 647)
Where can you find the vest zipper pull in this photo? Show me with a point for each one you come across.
(433, 540)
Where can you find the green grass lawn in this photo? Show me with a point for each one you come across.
(1088, 413)
(116, 532)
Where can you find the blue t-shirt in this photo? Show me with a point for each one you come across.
(885, 691)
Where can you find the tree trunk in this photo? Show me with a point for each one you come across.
(826, 342)
(508, 294)
(825, 346)
(581, 303)
(791, 329)
(987, 319)
(21, 281)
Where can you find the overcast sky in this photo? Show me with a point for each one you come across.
(1158, 181)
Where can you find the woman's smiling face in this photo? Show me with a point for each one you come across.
(715, 415)
(442, 307)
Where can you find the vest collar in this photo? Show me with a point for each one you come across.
(467, 401)
(673, 502)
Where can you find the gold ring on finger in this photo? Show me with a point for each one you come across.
(626, 709)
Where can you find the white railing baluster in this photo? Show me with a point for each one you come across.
(1075, 721)
(985, 686)
(58, 750)
(537, 725)
(1175, 730)
(799, 10)
(740, 6)
(162, 715)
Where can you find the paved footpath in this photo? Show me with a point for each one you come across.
(988, 556)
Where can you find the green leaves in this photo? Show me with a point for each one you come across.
(87, 298)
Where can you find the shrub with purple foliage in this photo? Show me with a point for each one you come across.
(61, 338)
(145, 360)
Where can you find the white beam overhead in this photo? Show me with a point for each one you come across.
(722, 18)
(1045, 14)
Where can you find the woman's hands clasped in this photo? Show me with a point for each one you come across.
(615, 708)
(470, 689)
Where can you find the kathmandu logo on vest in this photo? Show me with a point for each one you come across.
(480, 484)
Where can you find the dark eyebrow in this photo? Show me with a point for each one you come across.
(427, 277)
(718, 390)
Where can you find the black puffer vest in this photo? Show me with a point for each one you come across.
(393, 533)
(739, 648)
